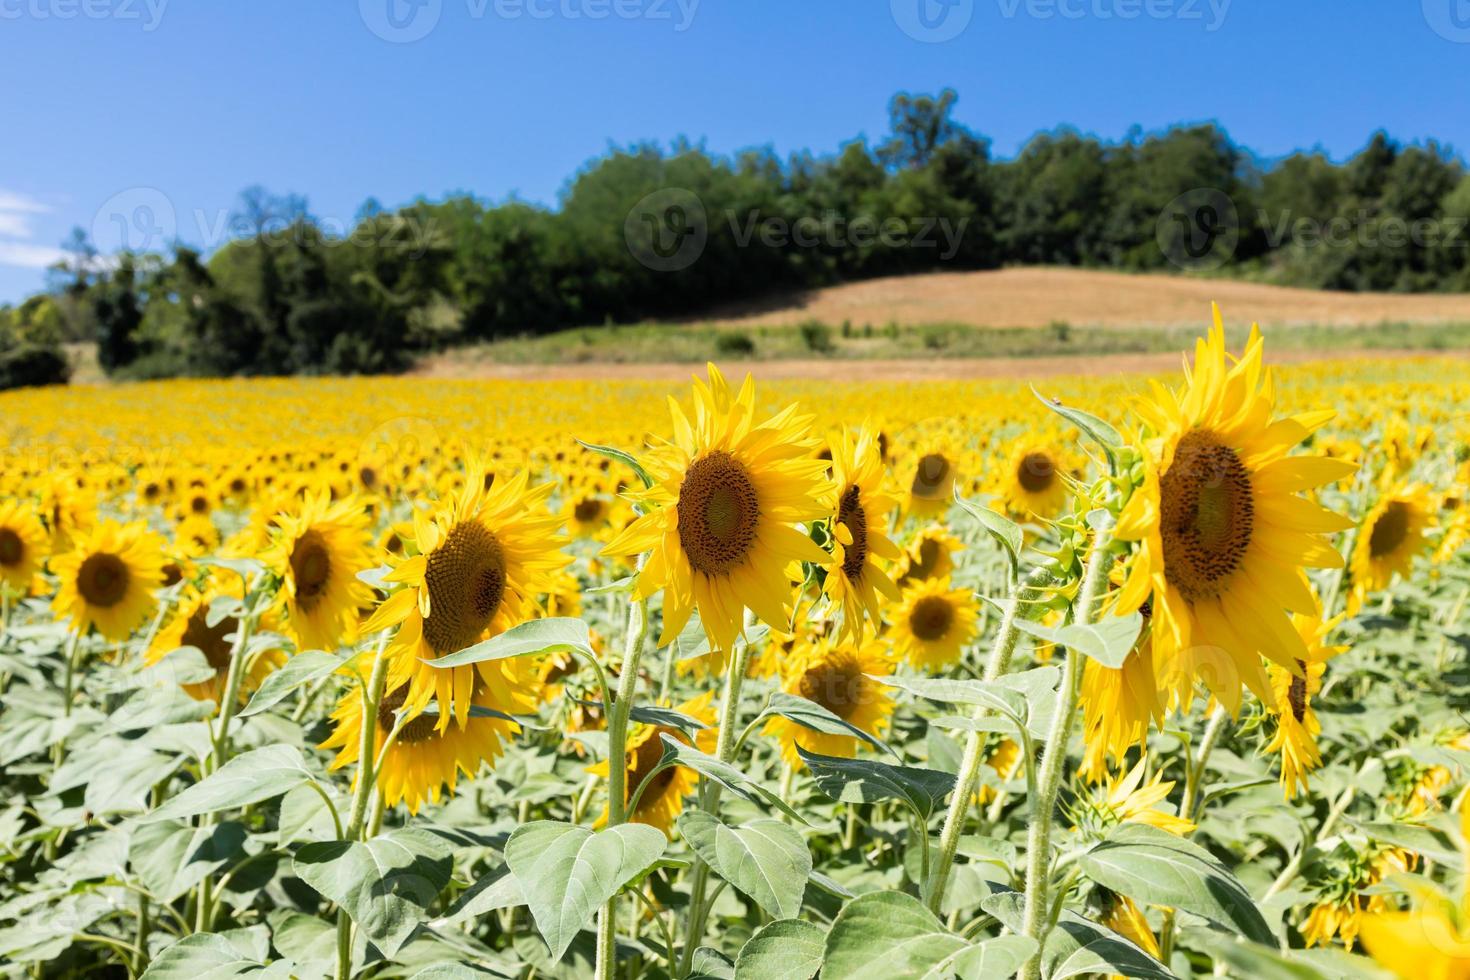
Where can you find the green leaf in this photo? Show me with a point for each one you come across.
(888, 936)
(304, 668)
(567, 873)
(1150, 865)
(498, 890)
(810, 714)
(1108, 641)
(1078, 946)
(1436, 844)
(1000, 957)
(765, 859)
(1005, 531)
(171, 857)
(787, 949)
(254, 777)
(1093, 427)
(209, 956)
(1262, 963)
(866, 781)
(727, 775)
(385, 885)
(306, 941)
(558, 634)
(621, 457)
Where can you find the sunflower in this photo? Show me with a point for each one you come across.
(1223, 536)
(1351, 899)
(196, 536)
(588, 513)
(1430, 943)
(1128, 799)
(107, 579)
(1034, 481)
(662, 800)
(1004, 757)
(838, 676)
(425, 757)
(481, 563)
(931, 486)
(1392, 534)
(934, 624)
(1297, 727)
(930, 554)
(190, 627)
(860, 509)
(317, 551)
(1120, 914)
(727, 492)
(23, 544)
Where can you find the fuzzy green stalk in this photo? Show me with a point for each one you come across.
(372, 697)
(1049, 781)
(230, 702)
(1193, 784)
(617, 770)
(969, 775)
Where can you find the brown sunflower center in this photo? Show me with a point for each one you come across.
(931, 618)
(930, 553)
(1037, 473)
(1296, 694)
(587, 509)
(199, 504)
(103, 580)
(1208, 511)
(465, 577)
(645, 757)
(210, 640)
(12, 548)
(718, 513)
(932, 477)
(1390, 530)
(420, 729)
(311, 566)
(368, 477)
(850, 513)
(836, 684)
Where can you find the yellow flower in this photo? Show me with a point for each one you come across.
(726, 493)
(931, 488)
(1431, 942)
(317, 551)
(929, 554)
(1223, 535)
(23, 545)
(934, 624)
(662, 800)
(835, 675)
(1130, 800)
(481, 563)
(1125, 918)
(107, 579)
(1034, 481)
(1392, 534)
(190, 628)
(860, 511)
(1297, 727)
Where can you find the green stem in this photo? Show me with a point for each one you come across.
(372, 696)
(1049, 780)
(1193, 783)
(617, 771)
(969, 776)
(231, 698)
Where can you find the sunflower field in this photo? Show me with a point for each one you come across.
(1138, 677)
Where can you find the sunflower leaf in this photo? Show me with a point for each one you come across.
(1077, 946)
(809, 714)
(1108, 641)
(304, 668)
(886, 934)
(867, 781)
(1005, 531)
(765, 859)
(621, 457)
(559, 634)
(567, 873)
(787, 949)
(649, 714)
(253, 777)
(728, 776)
(1093, 427)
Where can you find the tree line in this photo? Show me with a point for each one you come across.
(648, 232)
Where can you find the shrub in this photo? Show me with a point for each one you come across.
(30, 365)
(817, 336)
(731, 344)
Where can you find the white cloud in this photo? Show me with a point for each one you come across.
(29, 256)
(15, 202)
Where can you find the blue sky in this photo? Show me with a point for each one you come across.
(163, 110)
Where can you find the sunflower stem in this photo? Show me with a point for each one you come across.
(617, 770)
(1193, 783)
(1053, 760)
(231, 698)
(969, 775)
(372, 696)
